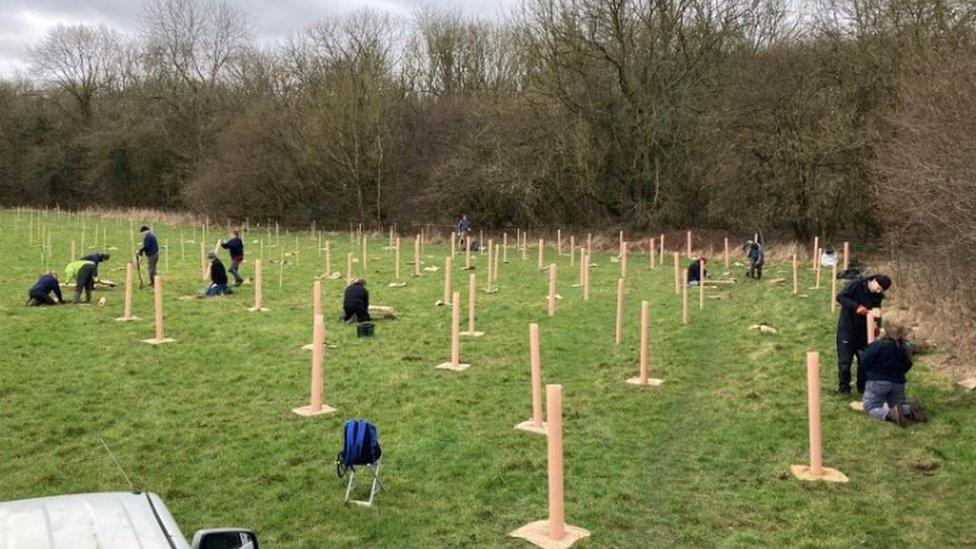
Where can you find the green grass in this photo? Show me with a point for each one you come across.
(703, 460)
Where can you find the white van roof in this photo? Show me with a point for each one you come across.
(110, 520)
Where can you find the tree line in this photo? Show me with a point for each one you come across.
(835, 116)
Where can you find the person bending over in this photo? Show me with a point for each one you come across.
(97, 258)
(694, 271)
(858, 299)
(218, 277)
(82, 273)
(355, 303)
(235, 246)
(40, 293)
(885, 363)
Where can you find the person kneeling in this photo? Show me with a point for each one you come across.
(885, 362)
(218, 277)
(355, 303)
(695, 274)
(40, 292)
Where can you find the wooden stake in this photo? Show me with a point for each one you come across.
(833, 288)
(817, 267)
(467, 252)
(662, 250)
(677, 273)
(726, 252)
(328, 259)
(315, 406)
(541, 252)
(362, 260)
(448, 266)
(258, 291)
(847, 251)
(536, 424)
(504, 247)
(620, 244)
(158, 306)
(204, 267)
(349, 268)
(559, 242)
(651, 253)
(453, 244)
(688, 235)
(816, 250)
(472, 293)
(701, 284)
(552, 289)
(872, 327)
(796, 277)
(127, 315)
(396, 267)
(816, 470)
(623, 259)
(455, 363)
(586, 275)
(645, 327)
(619, 333)
(684, 300)
(416, 256)
(572, 250)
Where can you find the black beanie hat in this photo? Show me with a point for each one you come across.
(884, 281)
(143, 229)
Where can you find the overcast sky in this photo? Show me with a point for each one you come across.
(22, 22)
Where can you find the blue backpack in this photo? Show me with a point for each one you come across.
(360, 446)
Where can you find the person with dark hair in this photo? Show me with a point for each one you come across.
(97, 258)
(858, 299)
(757, 258)
(355, 303)
(885, 363)
(463, 227)
(235, 246)
(150, 248)
(40, 292)
(695, 276)
(82, 273)
(218, 277)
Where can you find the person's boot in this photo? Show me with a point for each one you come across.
(896, 417)
(917, 414)
(844, 391)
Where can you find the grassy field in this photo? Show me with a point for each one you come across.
(701, 461)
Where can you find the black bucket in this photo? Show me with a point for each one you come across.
(365, 329)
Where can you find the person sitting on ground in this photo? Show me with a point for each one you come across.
(218, 277)
(858, 299)
(40, 292)
(885, 363)
(150, 248)
(757, 258)
(97, 258)
(695, 275)
(355, 303)
(82, 273)
(235, 246)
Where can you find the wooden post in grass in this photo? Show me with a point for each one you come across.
(328, 259)
(620, 244)
(453, 244)
(554, 532)
(315, 406)
(816, 249)
(158, 313)
(796, 277)
(726, 252)
(559, 242)
(505, 247)
(349, 268)
(391, 237)
(467, 253)
(645, 327)
(472, 293)
(677, 273)
(847, 251)
(539, 264)
(619, 332)
(536, 424)
(651, 252)
(582, 265)
(316, 310)
(872, 326)
(589, 243)
(455, 363)
(481, 242)
(258, 290)
(494, 269)
(623, 259)
(661, 262)
(688, 236)
(397, 283)
(416, 256)
(363, 260)
(204, 268)
(448, 266)
(586, 275)
(525, 246)
(816, 470)
(684, 300)
(491, 257)
(833, 287)
(127, 315)
(701, 284)
(572, 250)
(817, 267)
(552, 289)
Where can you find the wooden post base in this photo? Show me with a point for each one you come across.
(802, 472)
(155, 341)
(334, 276)
(127, 319)
(452, 367)
(472, 334)
(259, 310)
(396, 284)
(857, 406)
(969, 383)
(309, 346)
(306, 411)
(537, 533)
(650, 382)
(530, 427)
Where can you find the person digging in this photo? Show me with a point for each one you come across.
(82, 273)
(884, 364)
(858, 300)
(97, 258)
(355, 302)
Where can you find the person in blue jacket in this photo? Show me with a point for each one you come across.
(235, 246)
(150, 249)
(757, 258)
(884, 364)
(40, 293)
(463, 227)
(97, 258)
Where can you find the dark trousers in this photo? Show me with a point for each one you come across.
(234, 264)
(37, 298)
(755, 270)
(86, 282)
(361, 314)
(152, 260)
(849, 347)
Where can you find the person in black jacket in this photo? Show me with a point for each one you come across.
(150, 248)
(857, 300)
(218, 277)
(885, 363)
(694, 271)
(97, 258)
(757, 258)
(39, 294)
(355, 303)
(235, 246)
